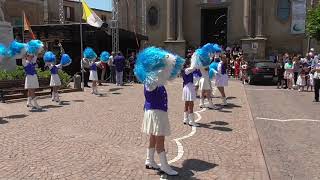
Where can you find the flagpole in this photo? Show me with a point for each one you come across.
(22, 28)
(81, 44)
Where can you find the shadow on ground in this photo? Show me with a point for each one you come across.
(219, 123)
(2, 121)
(188, 166)
(114, 89)
(216, 127)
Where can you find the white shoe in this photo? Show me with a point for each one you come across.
(29, 102)
(202, 103)
(165, 166)
(191, 121)
(95, 91)
(35, 103)
(53, 97)
(224, 101)
(185, 118)
(211, 105)
(57, 99)
(150, 163)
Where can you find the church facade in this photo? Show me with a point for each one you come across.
(261, 27)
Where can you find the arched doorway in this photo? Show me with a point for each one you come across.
(214, 26)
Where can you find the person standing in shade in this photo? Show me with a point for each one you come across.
(119, 62)
(132, 61)
(316, 79)
(112, 67)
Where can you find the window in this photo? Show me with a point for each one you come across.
(68, 13)
(153, 16)
(283, 11)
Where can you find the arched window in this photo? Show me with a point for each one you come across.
(283, 10)
(153, 16)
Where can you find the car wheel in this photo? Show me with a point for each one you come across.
(250, 80)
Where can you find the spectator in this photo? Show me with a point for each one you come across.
(288, 74)
(296, 69)
(132, 62)
(119, 62)
(316, 78)
(103, 67)
(279, 72)
(112, 67)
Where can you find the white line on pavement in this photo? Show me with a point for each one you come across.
(288, 120)
(179, 144)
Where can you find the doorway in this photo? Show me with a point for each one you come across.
(214, 26)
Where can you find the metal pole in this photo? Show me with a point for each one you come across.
(81, 45)
(22, 28)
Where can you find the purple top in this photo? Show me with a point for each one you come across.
(197, 73)
(187, 78)
(119, 62)
(30, 69)
(54, 70)
(156, 99)
(93, 67)
(223, 69)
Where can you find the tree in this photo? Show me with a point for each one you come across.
(313, 23)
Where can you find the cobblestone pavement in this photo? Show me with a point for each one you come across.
(91, 137)
(291, 147)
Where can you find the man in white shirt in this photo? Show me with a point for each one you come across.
(316, 79)
(112, 67)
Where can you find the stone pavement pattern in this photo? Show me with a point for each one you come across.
(93, 137)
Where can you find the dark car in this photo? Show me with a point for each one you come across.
(260, 71)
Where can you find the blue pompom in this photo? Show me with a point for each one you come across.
(3, 51)
(104, 57)
(34, 47)
(217, 48)
(49, 57)
(65, 60)
(177, 67)
(89, 54)
(213, 68)
(148, 62)
(16, 49)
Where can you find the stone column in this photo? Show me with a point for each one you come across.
(259, 18)
(180, 21)
(246, 17)
(170, 20)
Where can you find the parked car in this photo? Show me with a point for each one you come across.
(260, 71)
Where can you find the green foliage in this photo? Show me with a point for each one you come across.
(65, 79)
(19, 74)
(313, 23)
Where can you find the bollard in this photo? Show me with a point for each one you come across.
(77, 81)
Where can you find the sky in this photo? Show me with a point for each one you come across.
(99, 4)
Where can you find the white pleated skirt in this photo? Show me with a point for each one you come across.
(189, 92)
(55, 80)
(156, 122)
(204, 84)
(93, 76)
(31, 82)
(221, 80)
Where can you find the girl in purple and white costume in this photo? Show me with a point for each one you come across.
(34, 47)
(188, 95)
(154, 67)
(222, 78)
(90, 58)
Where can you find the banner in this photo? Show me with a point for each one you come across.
(299, 13)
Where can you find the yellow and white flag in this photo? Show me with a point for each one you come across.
(90, 17)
